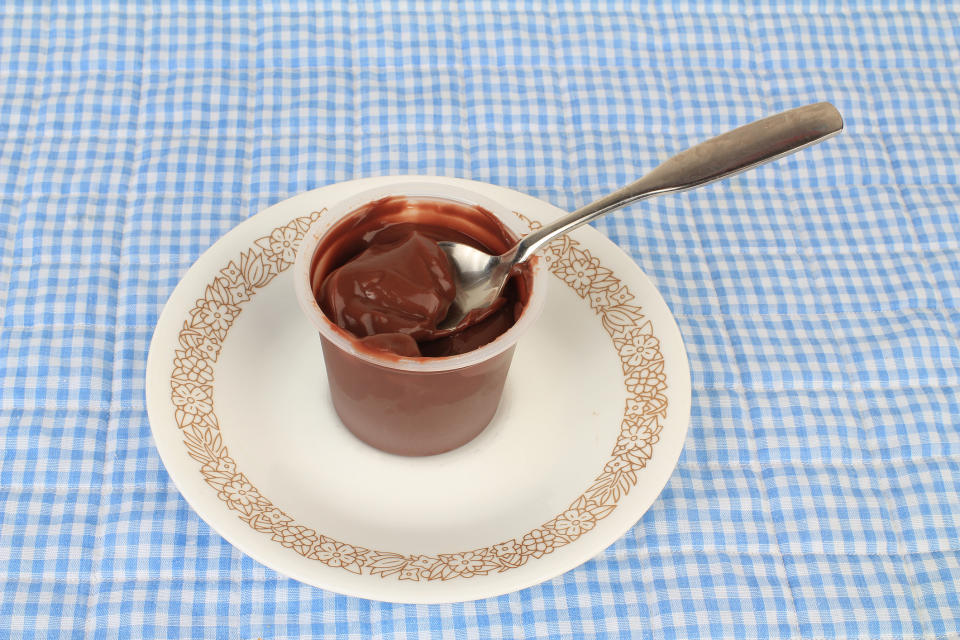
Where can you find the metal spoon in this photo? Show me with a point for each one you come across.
(480, 277)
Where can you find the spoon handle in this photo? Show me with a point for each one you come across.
(728, 154)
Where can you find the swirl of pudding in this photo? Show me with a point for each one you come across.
(394, 285)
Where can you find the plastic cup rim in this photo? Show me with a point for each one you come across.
(413, 188)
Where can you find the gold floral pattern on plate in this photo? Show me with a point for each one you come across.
(191, 395)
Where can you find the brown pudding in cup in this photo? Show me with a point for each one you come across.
(372, 280)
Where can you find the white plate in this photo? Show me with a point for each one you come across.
(591, 425)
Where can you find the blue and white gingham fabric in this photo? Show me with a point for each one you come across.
(819, 492)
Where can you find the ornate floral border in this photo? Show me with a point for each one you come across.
(192, 379)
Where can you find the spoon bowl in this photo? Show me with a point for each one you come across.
(479, 277)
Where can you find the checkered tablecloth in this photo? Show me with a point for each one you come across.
(818, 495)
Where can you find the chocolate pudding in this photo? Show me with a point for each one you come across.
(381, 287)
(381, 276)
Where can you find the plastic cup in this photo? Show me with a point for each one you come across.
(413, 406)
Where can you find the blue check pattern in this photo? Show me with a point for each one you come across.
(818, 495)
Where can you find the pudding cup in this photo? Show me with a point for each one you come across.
(413, 406)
